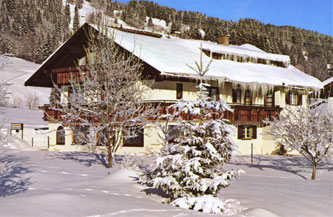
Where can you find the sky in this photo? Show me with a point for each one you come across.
(315, 15)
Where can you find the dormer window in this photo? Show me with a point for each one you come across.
(246, 58)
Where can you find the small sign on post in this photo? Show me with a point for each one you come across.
(17, 127)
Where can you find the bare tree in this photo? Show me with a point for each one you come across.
(17, 102)
(308, 131)
(32, 101)
(107, 95)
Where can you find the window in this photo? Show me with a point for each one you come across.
(269, 99)
(179, 93)
(236, 95)
(76, 96)
(247, 132)
(80, 135)
(248, 98)
(213, 93)
(173, 133)
(102, 137)
(134, 137)
(60, 136)
(293, 98)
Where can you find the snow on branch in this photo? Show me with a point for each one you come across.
(107, 95)
(190, 166)
(308, 131)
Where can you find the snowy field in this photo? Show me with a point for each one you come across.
(78, 184)
(16, 72)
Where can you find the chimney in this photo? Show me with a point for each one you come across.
(224, 40)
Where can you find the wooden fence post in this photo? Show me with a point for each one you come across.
(251, 153)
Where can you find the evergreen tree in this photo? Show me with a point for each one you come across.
(150, 22)
(190, 170)
(76, 22)
(67, 14)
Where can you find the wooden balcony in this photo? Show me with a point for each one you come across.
(66, 74)
(252, 114)
(242, 114)
(51, 114)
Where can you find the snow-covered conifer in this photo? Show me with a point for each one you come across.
(308, 131)
(190, 169)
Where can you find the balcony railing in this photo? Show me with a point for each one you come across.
(254, 114)
(51, 114)
(66, 74)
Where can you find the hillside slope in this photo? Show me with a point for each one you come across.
(32, 30)
(16, 72)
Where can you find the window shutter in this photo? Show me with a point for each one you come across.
(273, 98)
(234, 96)
(217, 94)
(240, 132)
(299, 99)
(254, 128)
(288, 98)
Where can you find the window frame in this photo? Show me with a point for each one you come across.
(140, 134)
(272, 97)
(82, 131)
(294, 98)
(248, 98)
(217, 94)
(179, 91)
(173, 128)
(242, 132)
(237, 96)
(60, 136)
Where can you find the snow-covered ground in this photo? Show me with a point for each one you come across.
(35, 129)
(16, 72)
(283, 185)
(78, 184)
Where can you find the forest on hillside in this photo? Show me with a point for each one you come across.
(33, 29)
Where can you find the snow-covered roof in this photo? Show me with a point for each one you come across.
(245, 50)
(327, 81)
(171, 56)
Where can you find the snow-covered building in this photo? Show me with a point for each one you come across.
(257, 85)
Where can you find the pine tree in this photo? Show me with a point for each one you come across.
(190, 170)
(76, 22)
(150, 22)
(67, 14)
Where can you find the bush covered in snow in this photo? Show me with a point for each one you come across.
(190, 168)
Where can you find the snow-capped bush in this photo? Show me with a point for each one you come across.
(190, 168)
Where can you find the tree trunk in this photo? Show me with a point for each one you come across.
(110, 155)
(109, 149)
(313, 171)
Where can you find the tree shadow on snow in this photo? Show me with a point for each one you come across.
(296, 165)
(84, 158)
(12, 172)
(154, 191)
